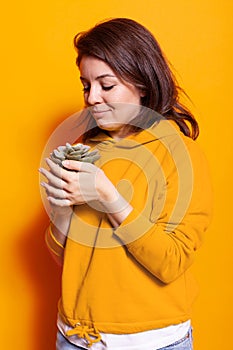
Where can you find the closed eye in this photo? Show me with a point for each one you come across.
(107, 88)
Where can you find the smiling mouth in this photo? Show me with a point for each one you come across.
(97, 111)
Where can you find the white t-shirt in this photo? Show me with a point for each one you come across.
(153, 339)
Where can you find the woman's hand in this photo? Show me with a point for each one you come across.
(87, 183)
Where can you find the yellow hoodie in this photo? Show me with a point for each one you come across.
(137, 277)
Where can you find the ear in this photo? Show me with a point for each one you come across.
(142, 92)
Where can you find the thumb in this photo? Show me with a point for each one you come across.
(72, 164)
(77, 165)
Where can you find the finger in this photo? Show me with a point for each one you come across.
(64, 174)
(54, 192)
(79, 166)
(59, 202)
(55, 168)
(52, 179)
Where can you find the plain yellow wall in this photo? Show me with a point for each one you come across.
(40, 87)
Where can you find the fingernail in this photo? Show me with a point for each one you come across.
(65, 163)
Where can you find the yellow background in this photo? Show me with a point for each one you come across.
(40, 87)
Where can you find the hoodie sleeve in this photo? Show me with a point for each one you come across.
(55, 248)
(166, 246)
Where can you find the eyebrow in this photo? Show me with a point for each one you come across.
(101, 76)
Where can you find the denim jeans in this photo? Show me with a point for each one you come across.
(63, 344)
(185, 343)
(182, 344)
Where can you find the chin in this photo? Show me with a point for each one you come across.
(110, 127)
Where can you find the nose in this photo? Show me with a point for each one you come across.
(94, 96)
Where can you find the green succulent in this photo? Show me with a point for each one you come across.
(78, 152)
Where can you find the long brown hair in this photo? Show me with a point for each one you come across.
(135, 56)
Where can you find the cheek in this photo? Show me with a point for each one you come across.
(85, 98)
(124, 112)
(133, 97)
(124, 95)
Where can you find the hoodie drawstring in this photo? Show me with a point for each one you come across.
(90, 334)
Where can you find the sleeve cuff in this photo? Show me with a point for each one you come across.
(52, 243)
(133, 227)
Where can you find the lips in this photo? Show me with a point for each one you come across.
(99, 110)
(99, 113)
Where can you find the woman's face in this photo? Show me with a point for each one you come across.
(112, 101)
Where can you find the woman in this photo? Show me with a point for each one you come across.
(126, 229)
